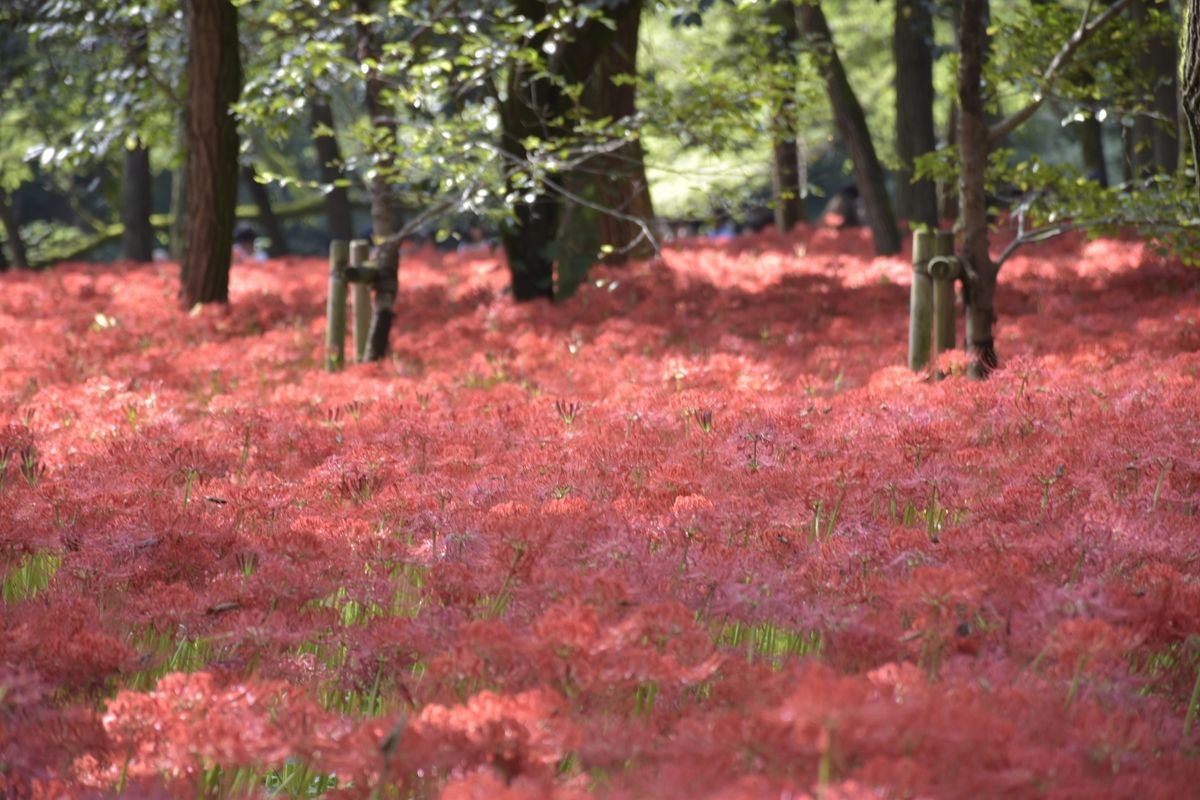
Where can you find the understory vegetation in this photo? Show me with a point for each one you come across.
(699, 534)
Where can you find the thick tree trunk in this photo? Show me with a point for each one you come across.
(912, 48)
(852, 125)
(12, 232)
(786, 191)
(383, 207)
(214, 83)
(266, 214)
(529, 239)
(621, 184)
(533, 108)
(329, 160)
(609, 213)
(980, 282)
(137, 236)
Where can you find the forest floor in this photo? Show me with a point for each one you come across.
(695, 533)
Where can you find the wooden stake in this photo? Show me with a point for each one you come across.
(360, 250)
(335, 310)
(920, 310)
(944, 327)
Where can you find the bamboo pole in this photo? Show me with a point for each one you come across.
(944, 323)
(360, 251)
(920, 309)
(335, 310)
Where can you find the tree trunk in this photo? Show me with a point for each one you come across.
(329, 160)
(214, 83)
(137, 236)
(533, 108)
(1091, 149)
(979, 284)
(786, 189)
(607, 214)
(1190, 90)
(1155, 135)
(12, 231)
(912, 48)
(383, 207)
(266, 215)
(852, 125)
(621, 183)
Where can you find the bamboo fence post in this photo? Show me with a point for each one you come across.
(944, 323)
(920, 309)
(335, 309)
(360, 250)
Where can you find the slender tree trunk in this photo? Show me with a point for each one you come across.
(383, 207)
(786, 191)
(329, 161)
(979, 285)
(137, 236)
(179, 191)
(852, 125)
(912, 48)
(948, 190)
(266, 214)
(1091, 149)
(214, 83)
(1190, 89)
(12, 232)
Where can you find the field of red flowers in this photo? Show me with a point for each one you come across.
(695, 533)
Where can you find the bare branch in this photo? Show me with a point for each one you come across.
(1084, 32)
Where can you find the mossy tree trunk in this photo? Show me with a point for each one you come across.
(214, 84)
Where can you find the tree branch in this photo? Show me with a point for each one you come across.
(1084, 32)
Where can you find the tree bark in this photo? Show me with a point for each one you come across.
(1091, 149)
(266, 214)
(533, 107)
(786, 190)
(329, 161)
(1156, 143)
(137, 238)
(12, 231)
(852, 125)
(620, 183)
(383, 206)
(979, 284)
(607, 212)
(912, 48)
(214, 83)
(1190, 90)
